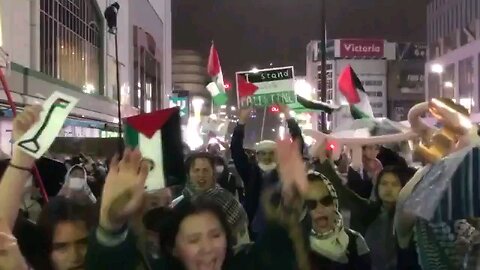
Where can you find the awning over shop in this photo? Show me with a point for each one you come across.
(71, 121)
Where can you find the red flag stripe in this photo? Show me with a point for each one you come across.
(213, 66)
(245, 88)
(347, 86)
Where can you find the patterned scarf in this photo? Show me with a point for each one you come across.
(332, 244)
(236, 215)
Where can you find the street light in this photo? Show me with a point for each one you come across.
(303, 88)
(436, 68)
(254, 70)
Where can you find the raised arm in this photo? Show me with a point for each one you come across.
(112, 246)
(18, 172)
(346, 196)
(293, 127)
(240, 158)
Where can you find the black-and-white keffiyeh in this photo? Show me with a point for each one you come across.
(332, 244)
(236, 215)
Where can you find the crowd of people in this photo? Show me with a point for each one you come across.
(277, 208)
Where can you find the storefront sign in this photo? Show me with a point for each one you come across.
(274, 86)
(367, 48)
(181, 102)
(411, 51)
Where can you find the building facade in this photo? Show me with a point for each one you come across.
(368, 58)
(190, 79)
(63, 45)
(453, 37)
(405, 79)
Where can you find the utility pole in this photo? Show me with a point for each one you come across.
(111, 14)
(323, 51)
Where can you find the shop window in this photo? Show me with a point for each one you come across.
(466, 83)
(450, 42)
(71, 42)
(448, 82)
(147, 72)
(467, 34)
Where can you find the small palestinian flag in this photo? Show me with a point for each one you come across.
(245, 88)
(158, 136)
(217, 86)
(304, 105)
(352, 90)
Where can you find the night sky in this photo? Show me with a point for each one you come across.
(251, 33)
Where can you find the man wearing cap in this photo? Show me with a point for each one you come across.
(261, 172)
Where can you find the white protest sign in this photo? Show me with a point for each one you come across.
(266, 87)
(38, 139)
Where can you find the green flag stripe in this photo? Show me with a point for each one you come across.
(131, 136)
(357, 113)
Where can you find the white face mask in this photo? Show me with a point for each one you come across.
(219, 169)
(267, 167)
(76, 183)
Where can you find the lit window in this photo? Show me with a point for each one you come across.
(70, 42)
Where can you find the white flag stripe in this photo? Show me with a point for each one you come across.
(213, 89)
(364, 104)
(152, 149)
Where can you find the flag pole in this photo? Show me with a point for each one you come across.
(111, 14)
(263, 122)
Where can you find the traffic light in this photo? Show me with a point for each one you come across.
(227, 85)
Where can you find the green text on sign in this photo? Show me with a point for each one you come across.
(264, 100)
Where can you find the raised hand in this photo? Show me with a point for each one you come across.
(124, 189)
(10, 256)
(244, 115)
(291, 168)
(21, 124)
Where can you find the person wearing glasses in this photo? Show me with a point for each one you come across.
(332, 245)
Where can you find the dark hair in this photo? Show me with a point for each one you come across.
(402, 173)
(174, 218)
(376, 145)
(61, 209)
(199, 155)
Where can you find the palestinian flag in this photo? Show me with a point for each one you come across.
(217, 86)
(158, 136)
(304, 105)
(245, 88)
(352, 90)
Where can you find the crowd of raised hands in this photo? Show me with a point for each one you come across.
(123, 192)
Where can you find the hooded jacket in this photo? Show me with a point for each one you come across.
(77, 190)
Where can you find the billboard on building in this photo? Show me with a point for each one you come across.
(411, 51)
(361, 48)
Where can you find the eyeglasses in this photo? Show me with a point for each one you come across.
(325, 201)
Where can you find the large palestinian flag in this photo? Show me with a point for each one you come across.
(352, 90)
(158, 136)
